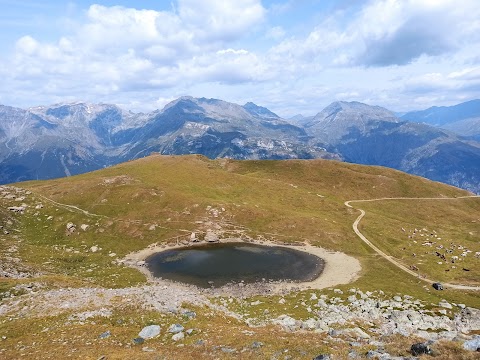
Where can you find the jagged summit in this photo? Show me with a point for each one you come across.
(254, 109)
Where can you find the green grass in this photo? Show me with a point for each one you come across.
(288, 201)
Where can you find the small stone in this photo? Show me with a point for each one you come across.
(147, 349)
(322, 357)
(420, 349)
(105, 335)
(138, 341)
(175, 328)
(445, 304)
(149, 332)
(352, 298)
(178, 336)
(437, 286)
(190, 314)
(473, 344)
(360, 333)
(256, 345)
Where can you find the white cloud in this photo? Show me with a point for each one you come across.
(387, 52)
(214, 20)
(124, 49)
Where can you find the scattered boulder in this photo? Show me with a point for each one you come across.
(94, 248)
(178, 336)
(175, 328)
(149, 332)
(445, 304)
(473, 344)
(437, 286)
(84, 227)
(71, 228)
(210, 236)
(322, 357)
(420, 349)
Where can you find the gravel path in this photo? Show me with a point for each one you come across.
(391, 258)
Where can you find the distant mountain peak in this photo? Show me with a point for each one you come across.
(254, 109)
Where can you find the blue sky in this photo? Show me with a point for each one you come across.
(292, 56)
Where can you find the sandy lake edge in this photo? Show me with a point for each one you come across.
(339, 268)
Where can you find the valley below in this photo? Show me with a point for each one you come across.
(74, 282)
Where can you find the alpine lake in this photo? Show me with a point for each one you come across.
(216, 265)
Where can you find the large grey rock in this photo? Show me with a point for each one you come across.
(473, 344)
(149, 332)
(468, 320)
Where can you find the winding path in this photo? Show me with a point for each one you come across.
(391, 258)
(71, 207)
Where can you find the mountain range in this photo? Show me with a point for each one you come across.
(462, 119)
(67, 139)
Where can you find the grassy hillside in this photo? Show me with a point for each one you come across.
(164, 199)
(289, 201)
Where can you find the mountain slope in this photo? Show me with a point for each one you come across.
(216, 128)
(71, 270)
(462, 119)
(67, 139)
(374, 136)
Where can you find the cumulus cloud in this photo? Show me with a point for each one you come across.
(388, 32)
(379, 51)
(126, 49)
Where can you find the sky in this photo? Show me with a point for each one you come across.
(291, 56)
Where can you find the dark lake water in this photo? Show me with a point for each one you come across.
(234, 262)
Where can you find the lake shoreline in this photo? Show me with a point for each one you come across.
(339, 268)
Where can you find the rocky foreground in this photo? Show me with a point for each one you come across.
(353, 323)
